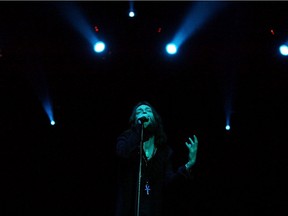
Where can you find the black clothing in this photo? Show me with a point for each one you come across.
(157, 174)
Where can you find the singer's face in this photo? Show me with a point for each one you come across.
(144, 110)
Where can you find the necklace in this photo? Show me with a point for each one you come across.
(148, 170)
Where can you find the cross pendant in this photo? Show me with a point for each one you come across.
(147, 188)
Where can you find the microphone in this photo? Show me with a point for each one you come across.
(142, 119)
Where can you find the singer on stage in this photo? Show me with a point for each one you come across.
(145, 173)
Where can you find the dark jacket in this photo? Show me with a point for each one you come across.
(157, 172)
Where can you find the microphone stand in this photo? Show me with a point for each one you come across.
(140, 171)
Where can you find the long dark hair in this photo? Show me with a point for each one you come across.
(160, 135)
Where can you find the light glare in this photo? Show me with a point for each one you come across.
(284, 50)
(99, 46)
(171, 48)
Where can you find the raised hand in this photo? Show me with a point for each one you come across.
(192, 146)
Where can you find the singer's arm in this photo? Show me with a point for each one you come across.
(128, 142)
(182, 173)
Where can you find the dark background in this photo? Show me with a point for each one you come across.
(70, 168)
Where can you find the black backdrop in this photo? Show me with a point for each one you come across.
(69, 169)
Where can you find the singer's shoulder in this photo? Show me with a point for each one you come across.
(130, 131)
(127, 131)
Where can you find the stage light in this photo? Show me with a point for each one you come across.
(131, 14)
(49, 111)
(283, 50)
(171, 49)
(227, 127)
(99, 47)
(131, 9)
